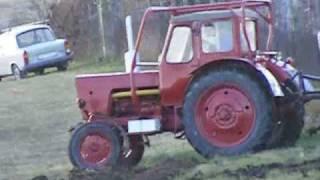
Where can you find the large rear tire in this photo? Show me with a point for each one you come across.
(294, 123)
(227, 111)
(95, 146)
(290, 123)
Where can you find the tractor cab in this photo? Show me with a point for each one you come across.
(215, 32)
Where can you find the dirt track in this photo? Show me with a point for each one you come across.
(261, 171)
(168, 169)
(164, 170)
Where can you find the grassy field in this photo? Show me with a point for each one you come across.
(37, 112)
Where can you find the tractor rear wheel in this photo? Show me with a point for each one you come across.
(290, 123)
(227, 111)
(136, 151)
(293, 124)
(94, 146)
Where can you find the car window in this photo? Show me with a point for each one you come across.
(35, 37)
(44, 35)
(217, 36)
(48, 34)
(180, 49)
(26, 39)
(40, 36)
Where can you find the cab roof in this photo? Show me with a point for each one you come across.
(216, 14)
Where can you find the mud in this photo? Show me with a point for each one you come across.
(168, 169)
(263, 170)
(164, 170)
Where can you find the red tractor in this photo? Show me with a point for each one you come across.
(217, 84)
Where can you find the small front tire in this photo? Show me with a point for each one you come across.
(136, 151)
(95, 146)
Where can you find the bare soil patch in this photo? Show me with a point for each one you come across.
(263, 170)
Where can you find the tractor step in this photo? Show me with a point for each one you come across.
(144, 126)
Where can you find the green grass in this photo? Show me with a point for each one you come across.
(307, 149)
(37, 112)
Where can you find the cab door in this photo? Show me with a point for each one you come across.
(179, 59)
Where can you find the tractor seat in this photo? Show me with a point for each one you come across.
(141, 93)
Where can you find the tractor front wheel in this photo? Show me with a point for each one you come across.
(94, 146)
(136, 151)
(227, 111)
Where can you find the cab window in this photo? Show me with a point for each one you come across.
(180, 48)
(217, 36)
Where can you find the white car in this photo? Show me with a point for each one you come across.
(32, 48)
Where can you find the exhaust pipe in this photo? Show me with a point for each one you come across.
(128, 56)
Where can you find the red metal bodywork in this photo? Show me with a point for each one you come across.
(95, 91)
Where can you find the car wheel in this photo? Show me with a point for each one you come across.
(63, 67)
(40, 72)
(17, 73)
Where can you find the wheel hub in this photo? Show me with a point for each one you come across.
(225, 115)
(95, 149)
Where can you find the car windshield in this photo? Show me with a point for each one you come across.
(33, 37)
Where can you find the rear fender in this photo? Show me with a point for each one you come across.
(272, 81)
(268, 78)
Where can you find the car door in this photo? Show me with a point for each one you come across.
(6, 50)
(2, 64)
(46, 47)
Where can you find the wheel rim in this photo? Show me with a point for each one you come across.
(225, 115)
(95, 149)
